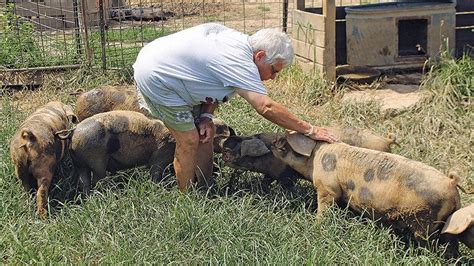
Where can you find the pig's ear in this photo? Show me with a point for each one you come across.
(459, 221)
(222, 129)
(300, 143)
(253, 148)
(70, 113)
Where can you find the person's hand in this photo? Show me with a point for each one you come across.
(205, 127)
(321, 133)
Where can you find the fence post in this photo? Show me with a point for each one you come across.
(85, 21)
(285, 15)
(77, 34)
(329, 57)
(102, 33)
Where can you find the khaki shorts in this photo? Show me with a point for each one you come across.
(179, 118)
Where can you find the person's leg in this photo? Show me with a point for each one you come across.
(205, 163)
(184, 163)
(180, 122)
(205, 152)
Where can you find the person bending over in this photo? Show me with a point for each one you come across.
(181, 78)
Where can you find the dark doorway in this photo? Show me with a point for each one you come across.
(412, 37)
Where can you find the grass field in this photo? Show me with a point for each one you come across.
(129, 219)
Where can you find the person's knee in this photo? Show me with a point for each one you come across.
(189, 141)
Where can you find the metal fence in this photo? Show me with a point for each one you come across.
(110, 33)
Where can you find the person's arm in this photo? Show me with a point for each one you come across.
(278, 114)
(206, 126)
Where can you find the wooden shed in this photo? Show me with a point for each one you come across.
(314, 37)
(390, 35)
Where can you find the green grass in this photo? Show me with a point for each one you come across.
(24, 46)
(263, 8)
(129, 219)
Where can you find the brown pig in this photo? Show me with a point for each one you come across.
(461, 224)
(35, 151)
(363, 138)
(107, 99)
(118, 140)
(252, 153)
(409, 195)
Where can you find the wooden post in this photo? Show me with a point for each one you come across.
(329, 14)
(102, 34)
(285, 15)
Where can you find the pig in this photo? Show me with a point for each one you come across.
(118, 140)
(252, 152)
(406, 194)
(107, 99)
(461, 225)
(35, 151)
(363, 138)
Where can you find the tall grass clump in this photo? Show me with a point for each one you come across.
(441, 123)
(452, 80)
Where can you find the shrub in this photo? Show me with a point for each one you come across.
(17, 40)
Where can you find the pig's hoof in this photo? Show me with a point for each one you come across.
(42, 214)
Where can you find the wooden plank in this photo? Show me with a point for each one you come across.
(308, 51)
(32, 9)
(309, 67)
(309, 20)
(329, 13)
(308, 35)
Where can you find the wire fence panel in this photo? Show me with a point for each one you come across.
(36, 34)
(110, 33)
(134, 23)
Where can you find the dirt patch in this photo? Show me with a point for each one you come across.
(392, 97)
(394, 92)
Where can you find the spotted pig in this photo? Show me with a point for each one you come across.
(106, 99)
(461, 225)
(125, 98)
(409, 195)
(252, 153)
(117, 140)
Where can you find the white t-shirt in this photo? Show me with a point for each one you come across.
(202, 64)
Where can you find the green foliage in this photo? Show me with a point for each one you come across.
(143, 33)
(264, 8)
(18, 47)
(123, 44)
(454, 78)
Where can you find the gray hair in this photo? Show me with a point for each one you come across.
(276, 44)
